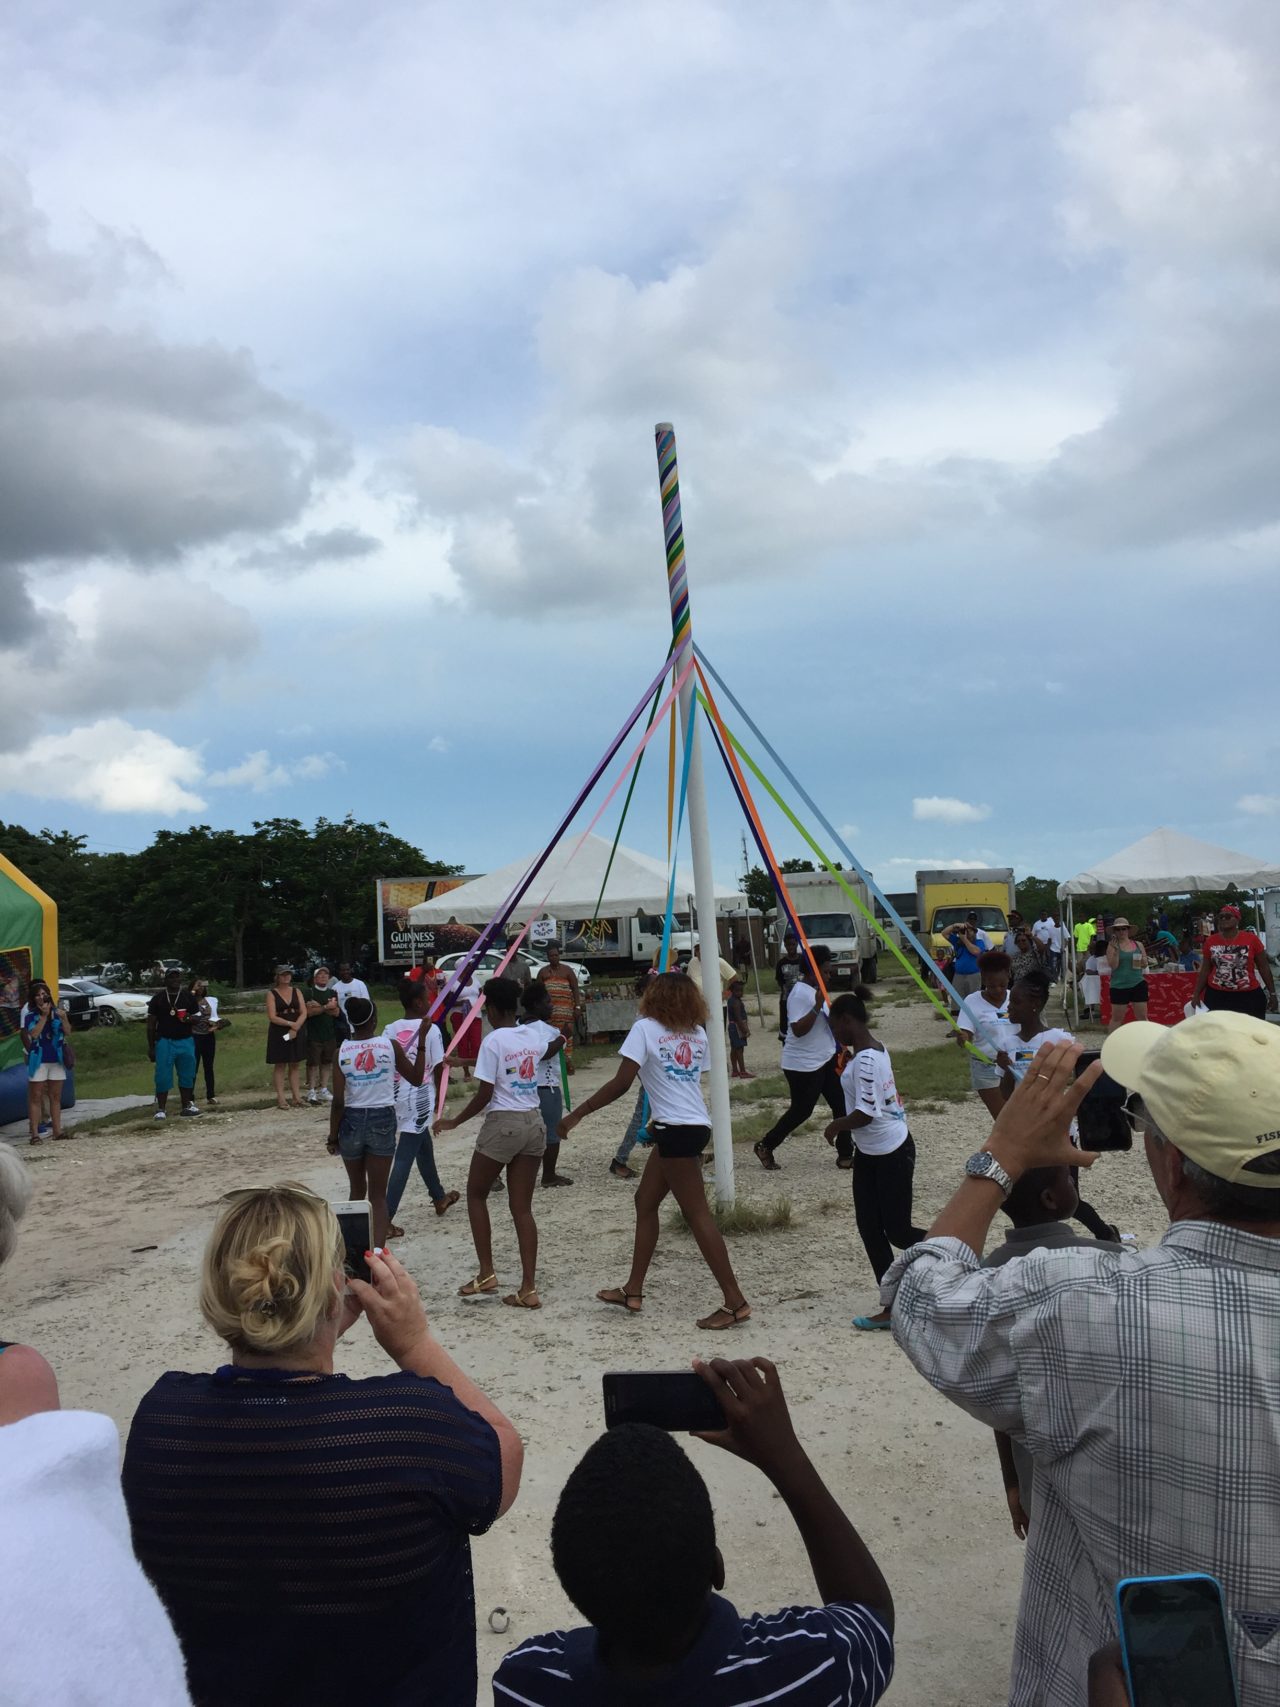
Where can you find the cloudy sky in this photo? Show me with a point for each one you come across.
(332, 339)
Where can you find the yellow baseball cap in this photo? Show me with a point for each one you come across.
(1212, 1085)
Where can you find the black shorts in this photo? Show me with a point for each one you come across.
(1236, 1001)
(675, 1143)
(1120, 999)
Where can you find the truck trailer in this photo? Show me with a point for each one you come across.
(944, 899)
(828, 916)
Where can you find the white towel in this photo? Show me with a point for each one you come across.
(81, 1625)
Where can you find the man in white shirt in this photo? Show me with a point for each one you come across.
(345, 985)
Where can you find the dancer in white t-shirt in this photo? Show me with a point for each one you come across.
(667, 1050)
(885, 1161)
(513, 1137)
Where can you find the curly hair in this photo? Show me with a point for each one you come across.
(674, 1000)
(267, 1281)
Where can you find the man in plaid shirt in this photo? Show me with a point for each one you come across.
(1146, 1386)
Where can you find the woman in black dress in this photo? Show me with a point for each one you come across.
(286, 1024)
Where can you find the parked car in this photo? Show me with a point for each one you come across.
(113, 973)
(526, 964)
(103, 1006)
(77, 1006)
(160, 970)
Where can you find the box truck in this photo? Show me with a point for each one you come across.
(946, 898)
(828, 916)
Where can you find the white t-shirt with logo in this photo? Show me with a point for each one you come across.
(984, 1021)
(415, 1104)
(817, 1046)
(1022, 1054)
(671, 1066)
(869, 1089)
(352, 987)
(1042, 931)
(369, 1068)
(548, 1071)
(508, 1060)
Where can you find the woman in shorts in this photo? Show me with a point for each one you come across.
(980, 1021)
(667, 1050)
(44, 1037)
(362, 1120)
(513, 1137)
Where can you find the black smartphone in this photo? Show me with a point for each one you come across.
(356, 1221)
(1101, 1118)
(680, 1402)
(1173, 1634)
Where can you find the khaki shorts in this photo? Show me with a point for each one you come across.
(512, 1132)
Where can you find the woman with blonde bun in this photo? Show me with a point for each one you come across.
(309, 1532)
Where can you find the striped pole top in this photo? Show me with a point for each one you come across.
(673, 531)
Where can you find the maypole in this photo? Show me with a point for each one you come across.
(699, 828)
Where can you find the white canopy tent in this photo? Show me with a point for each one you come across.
(637, 883)
(1166, 863)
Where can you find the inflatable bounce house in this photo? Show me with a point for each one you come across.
(28, 949)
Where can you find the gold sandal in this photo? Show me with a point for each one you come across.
(524, 1300)
(483, 1283)
(631, 1302)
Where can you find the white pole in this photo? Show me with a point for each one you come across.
(699, 826)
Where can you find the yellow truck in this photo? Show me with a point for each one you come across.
(946, 898)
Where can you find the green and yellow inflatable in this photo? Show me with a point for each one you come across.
(28, 949)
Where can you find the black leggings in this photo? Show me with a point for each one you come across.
(882, 1203)
(205, 1047)
(806, 1088)
(1252, 1002)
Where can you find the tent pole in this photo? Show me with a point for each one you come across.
(755, 969)
(699, 825)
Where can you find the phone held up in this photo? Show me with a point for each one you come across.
(1173, 1635)
(356, 1222)
(680, 1402)
(1101, 1119)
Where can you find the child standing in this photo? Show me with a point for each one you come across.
(885, 1157)
(739, 1031)
(362, 1120)
(512, 1137)
(416, 1105)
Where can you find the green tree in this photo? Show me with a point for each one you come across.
(757, 886)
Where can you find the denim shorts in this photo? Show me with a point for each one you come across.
(984, 1075)
(367, 1132)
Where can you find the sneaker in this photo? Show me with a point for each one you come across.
(189, 1111)
(313, 1097)
(746, 1075)
(43, 1128)
(211, 1102)
(159, 1115)
(326, 1095)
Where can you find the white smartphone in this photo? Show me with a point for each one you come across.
(356, 1222)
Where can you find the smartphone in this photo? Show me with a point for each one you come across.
(680, 1402)
(356, 1222)
(1173, 1634)
(1101, 1117)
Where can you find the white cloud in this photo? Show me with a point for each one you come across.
(257, 773)
(109, 765)
(933, 862)
(1055, 687)
(850, 832)
(946, 809)
(1259, 805)
(437, 744)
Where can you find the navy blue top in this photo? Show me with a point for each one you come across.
(308, 1534)
(806, 1656)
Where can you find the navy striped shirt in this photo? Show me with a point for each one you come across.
(806, 1656)
(308, 1534)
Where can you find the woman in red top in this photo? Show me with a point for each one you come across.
(1234, 970)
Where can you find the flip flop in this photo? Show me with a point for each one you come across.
(631, 1302)
(869, 1326)
(446, 1202)
(733, 1319)
(394, 1232)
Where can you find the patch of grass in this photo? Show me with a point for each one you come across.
(771, 1217)
(767, 1086)
(931, 1075)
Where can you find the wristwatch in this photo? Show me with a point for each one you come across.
(985, 1166)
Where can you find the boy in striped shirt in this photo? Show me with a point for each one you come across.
(634, 1545)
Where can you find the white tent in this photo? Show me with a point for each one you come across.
(1168, 863)
(637, 883)
(1165, 863)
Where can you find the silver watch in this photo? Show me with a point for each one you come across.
(985, 1166)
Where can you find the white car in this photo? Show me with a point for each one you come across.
(524, 965)
(108, 1007)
